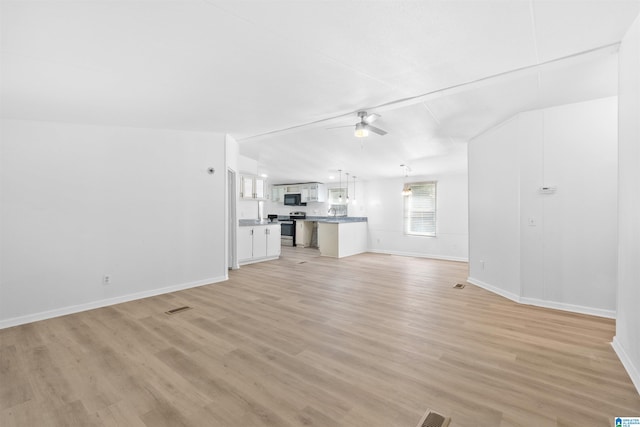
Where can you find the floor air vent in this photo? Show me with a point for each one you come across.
(459, 286)
(178, 310)
(432, 419)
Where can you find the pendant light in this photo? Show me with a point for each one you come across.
(347, 174)
(406, 188)
(354, 189)
(340, 186)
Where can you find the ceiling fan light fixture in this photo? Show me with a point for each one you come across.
(361, 130)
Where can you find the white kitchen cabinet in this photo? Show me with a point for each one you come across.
(246, 187)
(304, 193)
(260, 188)
(315, 192)
(309, 192)
(273, 241)
(277, 193)
(245, 243)
(252, 187)
(258, 243)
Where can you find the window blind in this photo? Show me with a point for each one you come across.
(420, 209)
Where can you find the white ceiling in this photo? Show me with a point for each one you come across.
(254, 67)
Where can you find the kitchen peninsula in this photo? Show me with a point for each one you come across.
(337, 237)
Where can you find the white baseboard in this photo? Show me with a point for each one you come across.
(600, 312)
(256, 260)
(419, 255)
(632, 370)
(21, 320)
(494, 289)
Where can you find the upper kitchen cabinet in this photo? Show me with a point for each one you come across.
(277, 193)
(309, 192)
(314, 192)
(253, 187)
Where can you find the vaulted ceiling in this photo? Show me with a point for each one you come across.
(276, 74)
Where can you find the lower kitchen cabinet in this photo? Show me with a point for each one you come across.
(258, 243)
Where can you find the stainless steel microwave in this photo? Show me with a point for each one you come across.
(292, 199)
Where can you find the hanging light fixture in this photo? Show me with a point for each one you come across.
(347, 174)
(340, 186)
(354, 190)
(406, 188)
(361, 130)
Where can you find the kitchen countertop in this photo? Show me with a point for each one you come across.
(336, 219)
(325, 219)
(252, 222)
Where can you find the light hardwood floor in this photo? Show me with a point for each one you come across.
(369, 340)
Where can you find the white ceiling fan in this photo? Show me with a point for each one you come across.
(363, 127)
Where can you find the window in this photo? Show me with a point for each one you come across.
(338, 196)
(420, 209)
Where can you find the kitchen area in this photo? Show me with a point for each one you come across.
(300, 216)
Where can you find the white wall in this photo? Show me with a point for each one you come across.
(80, 201)
(232, 154)
(494, 232)
(627, 339)
(579, 222)
(557, 250)
(384, 207)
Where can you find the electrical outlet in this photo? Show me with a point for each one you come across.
(106, 279)
(482, 264)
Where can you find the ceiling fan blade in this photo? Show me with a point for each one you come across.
(339, 127)
(371, 118)
(376, 130)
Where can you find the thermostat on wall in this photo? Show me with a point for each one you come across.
(548, 190)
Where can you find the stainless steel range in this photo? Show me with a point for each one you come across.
(288, 227)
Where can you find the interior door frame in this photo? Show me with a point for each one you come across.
(232, 227)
